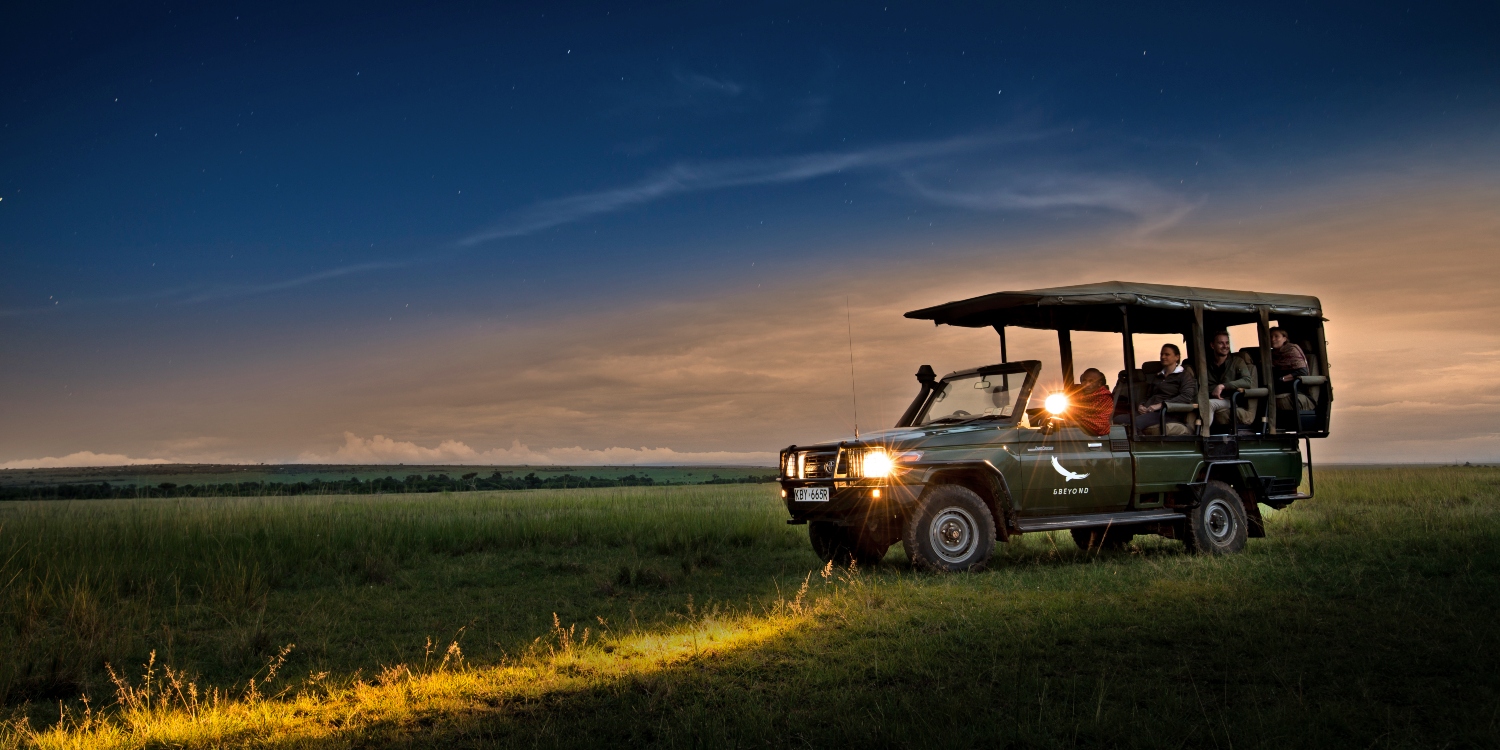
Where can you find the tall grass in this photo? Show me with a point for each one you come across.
(91, 582)
(1366, 618)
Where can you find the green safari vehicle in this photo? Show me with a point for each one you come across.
(978, 459)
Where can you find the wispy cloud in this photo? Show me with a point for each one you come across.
(383, 450)
(195, 294)
(246, 290)
(81, 458)
(998, 188)
(808, 116)
(73, 303)
(700, 82)
(691, 178)
(1156, 208)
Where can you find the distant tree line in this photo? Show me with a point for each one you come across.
(353, 486)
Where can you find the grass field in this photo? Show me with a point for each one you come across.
(693, 616)
(150, 475)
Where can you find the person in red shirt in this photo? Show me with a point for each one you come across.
(1092, 404)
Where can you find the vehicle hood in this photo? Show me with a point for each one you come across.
(907, 438)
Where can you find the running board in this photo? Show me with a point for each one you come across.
(1054, 523)
(1281, 501)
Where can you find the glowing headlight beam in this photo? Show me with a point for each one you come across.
(877, 464)
(1056, 403)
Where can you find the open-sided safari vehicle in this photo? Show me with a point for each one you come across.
(977, 458)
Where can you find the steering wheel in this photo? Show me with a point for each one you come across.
(960, 413)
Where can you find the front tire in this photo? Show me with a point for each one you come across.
(951, 531)
(841, 545)
(1218, 525)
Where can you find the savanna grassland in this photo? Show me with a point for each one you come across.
(693, 616)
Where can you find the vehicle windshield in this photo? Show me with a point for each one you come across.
(974, 397)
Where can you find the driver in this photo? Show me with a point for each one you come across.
(1093, 405)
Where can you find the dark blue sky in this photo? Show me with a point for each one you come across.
(185, 182)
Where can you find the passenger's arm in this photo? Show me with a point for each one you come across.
(1241, 380)
(1189, 392)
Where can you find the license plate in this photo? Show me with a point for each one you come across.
(812, 494)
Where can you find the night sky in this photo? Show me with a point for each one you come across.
(613, 233)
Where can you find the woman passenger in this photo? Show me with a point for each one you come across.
(1175, 384)
(1287, 364)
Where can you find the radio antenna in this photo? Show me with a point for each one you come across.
(853, 391)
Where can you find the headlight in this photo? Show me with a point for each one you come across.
(1057, 403)
(876, 464)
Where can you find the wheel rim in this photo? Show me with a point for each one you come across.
(954, 535)
(1219, 521)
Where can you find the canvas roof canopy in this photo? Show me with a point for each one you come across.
(1154, 308)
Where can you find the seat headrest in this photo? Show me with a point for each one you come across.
(1312, 361)
(1151, 368)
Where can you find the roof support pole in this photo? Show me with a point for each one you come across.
(1200, 365)
(1000, 329)
(1065, 350)
(1267, 375)
(1322, 345)
(1129, 363)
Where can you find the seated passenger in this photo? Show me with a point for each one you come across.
(1173, 385)
(1287, 364)
(1092, 403)
(1226, 374)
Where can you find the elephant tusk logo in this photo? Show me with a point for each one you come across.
(1068, 476)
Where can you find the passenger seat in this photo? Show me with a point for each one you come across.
(1149, 370)
(1253, 399)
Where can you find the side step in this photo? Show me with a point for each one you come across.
(1281, 501)
(1054, 523)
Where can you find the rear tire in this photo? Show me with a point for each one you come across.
(841, 545)
(951, 531)
(1101, 538)
(1218, 525)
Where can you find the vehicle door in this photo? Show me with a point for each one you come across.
(1070, 471)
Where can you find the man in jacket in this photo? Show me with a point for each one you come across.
(1226, 374)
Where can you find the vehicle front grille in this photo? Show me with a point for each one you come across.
(820, 464)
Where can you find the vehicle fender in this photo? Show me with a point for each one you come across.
(1239, 474)
(983, 478)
